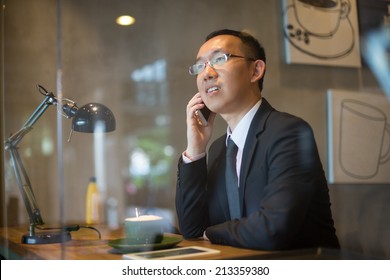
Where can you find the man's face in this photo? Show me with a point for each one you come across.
(225, 89)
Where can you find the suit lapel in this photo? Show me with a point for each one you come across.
(251, 144)
(217, 172)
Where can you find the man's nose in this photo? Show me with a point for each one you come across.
(209, 71)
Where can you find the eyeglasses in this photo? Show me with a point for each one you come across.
(217, 60)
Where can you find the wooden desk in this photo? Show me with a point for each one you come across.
(85, 245)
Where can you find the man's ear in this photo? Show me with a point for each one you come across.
(259, 70)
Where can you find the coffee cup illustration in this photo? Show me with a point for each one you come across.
(321, 17)
(364, 139)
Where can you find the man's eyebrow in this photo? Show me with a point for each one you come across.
(212, 54)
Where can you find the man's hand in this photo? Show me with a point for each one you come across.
(197, 135)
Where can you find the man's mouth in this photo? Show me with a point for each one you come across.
(212, 89)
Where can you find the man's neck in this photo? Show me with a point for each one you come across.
(233, 119)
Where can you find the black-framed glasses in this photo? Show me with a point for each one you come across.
(217, 60)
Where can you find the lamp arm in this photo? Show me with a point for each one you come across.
(15, 138)
(20, 172)
(25, 188)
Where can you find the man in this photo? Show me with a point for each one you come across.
(282, 197)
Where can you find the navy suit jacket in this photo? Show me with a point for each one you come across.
(284, 196)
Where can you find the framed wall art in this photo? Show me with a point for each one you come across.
(358, 137)
(321, 32)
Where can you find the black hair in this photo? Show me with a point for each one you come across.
(256, 49)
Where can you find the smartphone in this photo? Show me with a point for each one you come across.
(203, 115)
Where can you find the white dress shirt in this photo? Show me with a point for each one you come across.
(240, 133)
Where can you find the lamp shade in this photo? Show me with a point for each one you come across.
(90, 115)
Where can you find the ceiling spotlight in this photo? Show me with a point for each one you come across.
(125, 20)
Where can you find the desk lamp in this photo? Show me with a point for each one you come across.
(84, 119)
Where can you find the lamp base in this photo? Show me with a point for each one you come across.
(47, 237)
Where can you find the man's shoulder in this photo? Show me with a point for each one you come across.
(278, 123)
(276, 115)
(283, 122)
